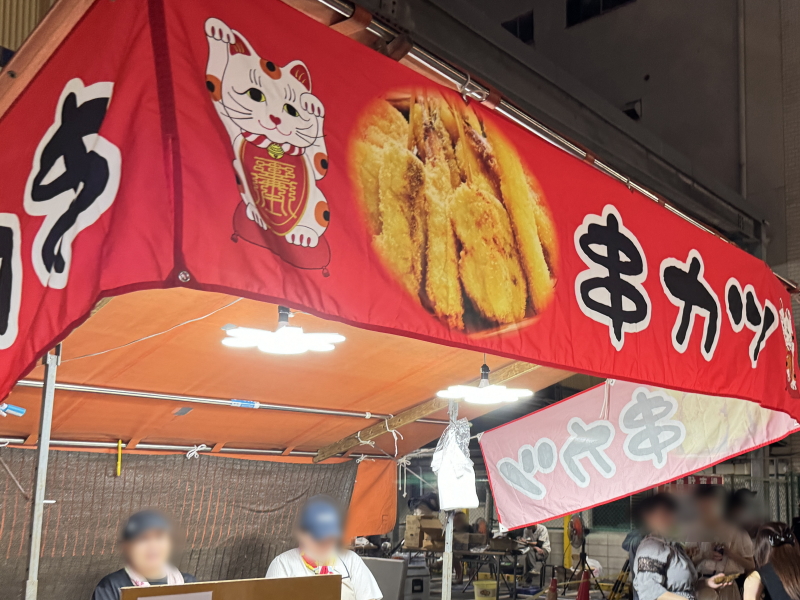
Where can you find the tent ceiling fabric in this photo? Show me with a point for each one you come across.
(370, 371)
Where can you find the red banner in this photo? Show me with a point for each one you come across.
(242, 147)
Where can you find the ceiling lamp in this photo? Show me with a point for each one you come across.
(484, 393)
(286, 340)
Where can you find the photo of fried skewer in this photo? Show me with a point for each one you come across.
(453, 213)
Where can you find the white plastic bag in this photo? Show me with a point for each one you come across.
(453, 468)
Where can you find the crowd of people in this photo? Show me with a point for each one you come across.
(701, 546)
(709, 546)
(147, 547)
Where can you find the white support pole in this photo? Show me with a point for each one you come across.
(447, 557)
(50, 362)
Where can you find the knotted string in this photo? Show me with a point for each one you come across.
(394, 433)
(370, 443)
(195, 451)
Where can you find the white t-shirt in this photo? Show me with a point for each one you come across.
(348, 564)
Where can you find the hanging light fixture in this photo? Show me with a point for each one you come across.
(484, 392)
(286, 340)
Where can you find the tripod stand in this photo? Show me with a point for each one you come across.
(583, 565)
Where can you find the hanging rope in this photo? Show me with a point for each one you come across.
(196, 450)
(606, 398)
(394, 433)
(402, 470)
(362, 458)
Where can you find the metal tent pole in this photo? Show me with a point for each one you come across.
(50, 362)
(447, 557)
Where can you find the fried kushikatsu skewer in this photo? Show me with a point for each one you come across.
(402, 236)
(442, 285)
(533, 227)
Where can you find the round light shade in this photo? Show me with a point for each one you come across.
(490, 394)
(287, 340)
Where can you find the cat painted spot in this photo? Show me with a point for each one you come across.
(321, 163)
(214, 87)
(270, 68)
(322, 214)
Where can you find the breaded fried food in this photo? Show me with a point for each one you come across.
(442, 284)
(428, 120)
(389, 121)
(384, 125)
(473, 153)
(401, 241)
(533, 227)
(366, 165)
(489, 264)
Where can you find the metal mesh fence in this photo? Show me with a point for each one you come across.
(232, 516)
(778, 495)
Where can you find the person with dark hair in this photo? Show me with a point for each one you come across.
(319, 534)
(480, 526)
(426, 505)
(537, 538)
(717, 546)
(777, 556)
(147, 548)
(743, 510)
(662, 570)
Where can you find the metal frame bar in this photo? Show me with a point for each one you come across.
(184, 449)
(50, 362)
(93, 389)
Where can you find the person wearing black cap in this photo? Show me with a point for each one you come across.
(319, 535)
(147, 548)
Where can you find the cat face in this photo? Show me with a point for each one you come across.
(265, 99)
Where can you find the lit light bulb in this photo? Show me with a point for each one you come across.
(286, 340)
(490, 394)
(484, 393)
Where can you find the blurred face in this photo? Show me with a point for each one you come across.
(709, 509)
(318, 550)
(660, 521)
(149, 554)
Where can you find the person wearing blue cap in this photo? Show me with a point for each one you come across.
(147, 548)
(319, 535)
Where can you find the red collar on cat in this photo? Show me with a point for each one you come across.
(263, 141)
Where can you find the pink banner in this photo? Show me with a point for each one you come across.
(614, 440)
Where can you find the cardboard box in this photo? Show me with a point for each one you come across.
(435, 545)
(423, 532)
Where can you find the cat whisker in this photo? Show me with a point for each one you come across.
(239, 103)
(306, 138)
(250, 118)
(230, 110)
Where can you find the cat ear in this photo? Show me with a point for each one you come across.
(299, 71)
(240, 45)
